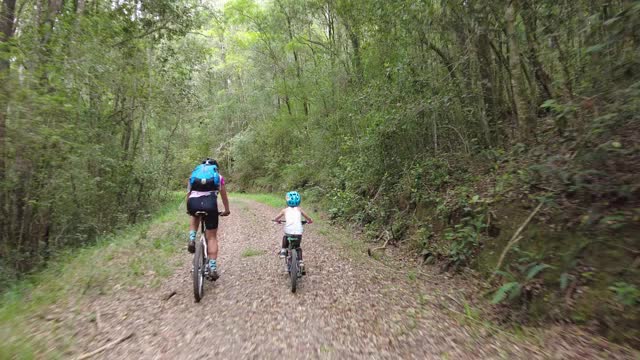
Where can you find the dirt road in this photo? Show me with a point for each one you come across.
(346, 307)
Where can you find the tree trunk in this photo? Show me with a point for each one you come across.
(521, 107)
(443, 56)
(296, 57)
(355, 45)
(79, 6)
(543, 80)
(487, 83)
(7, 29)
(564, 62)
(286, 93)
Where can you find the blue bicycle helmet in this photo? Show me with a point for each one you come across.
(293, 198)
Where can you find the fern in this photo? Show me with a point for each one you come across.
(536, 270)
(509, 288)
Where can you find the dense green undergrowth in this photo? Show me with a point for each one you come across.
(445, 127)
(575, 260)
(561, 269)
(139, 255)
(90, 102)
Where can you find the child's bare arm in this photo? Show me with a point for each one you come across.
(306, 216)
(280, 215)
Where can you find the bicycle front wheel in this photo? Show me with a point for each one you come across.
(198, 272)
(294, 270)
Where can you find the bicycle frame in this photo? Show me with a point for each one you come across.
(203, 236)
(292, 245)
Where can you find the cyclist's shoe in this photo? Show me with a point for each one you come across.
(213, 273)
(192, 242)
(283, 253)
(303, 271)
(285, 269)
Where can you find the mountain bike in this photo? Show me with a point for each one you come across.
(200, 269)
(292, 259)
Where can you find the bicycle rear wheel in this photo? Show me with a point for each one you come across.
(198, 271)
(294, 270)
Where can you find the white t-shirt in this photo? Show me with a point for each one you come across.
(293, 221)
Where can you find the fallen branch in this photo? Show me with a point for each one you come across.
(169, 295)
(384, 246)
(105, 347)
(377, 193)
(514, 239)
(381, 247)
(377, 239)
(52, 318)
(454, 300)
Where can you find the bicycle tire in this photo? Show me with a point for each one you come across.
(294, 270)
(198, 272)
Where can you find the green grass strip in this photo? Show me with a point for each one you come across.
(275, 200)
(139, 254)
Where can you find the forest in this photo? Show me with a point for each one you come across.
(501, 136)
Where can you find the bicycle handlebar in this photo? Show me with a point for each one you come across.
(304, 222)
(204, 213)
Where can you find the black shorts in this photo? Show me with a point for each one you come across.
(294, 243)
(208, 203)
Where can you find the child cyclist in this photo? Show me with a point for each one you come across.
(293, 223)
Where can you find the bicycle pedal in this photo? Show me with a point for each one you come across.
(213, 276)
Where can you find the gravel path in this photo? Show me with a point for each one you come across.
(346, 307)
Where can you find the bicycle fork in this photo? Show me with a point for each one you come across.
(287, 264)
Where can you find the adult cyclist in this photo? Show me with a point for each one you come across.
(207, 200)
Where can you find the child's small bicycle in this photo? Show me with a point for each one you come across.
(292, 259)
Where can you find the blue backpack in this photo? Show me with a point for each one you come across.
(205, 177)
